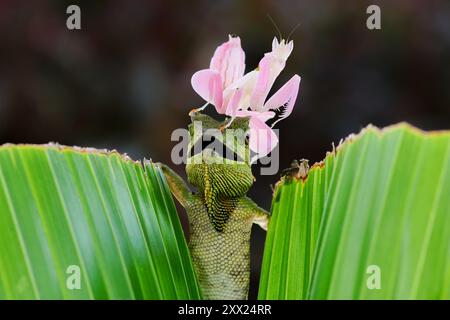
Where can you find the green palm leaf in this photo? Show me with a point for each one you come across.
(381, 201)
(112, 218)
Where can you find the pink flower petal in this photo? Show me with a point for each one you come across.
(275, 43)
(285, 96)
(263, 116)
(233, 103)
(262, 85)
(262, 138)
(208, 85)
(246, 83)
(229, 61)
(269, 69)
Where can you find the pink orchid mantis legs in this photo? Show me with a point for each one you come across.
(235, 94)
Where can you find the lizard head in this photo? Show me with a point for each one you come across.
(219, 159)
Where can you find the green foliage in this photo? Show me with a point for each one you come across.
(112, 217)
(382, 199)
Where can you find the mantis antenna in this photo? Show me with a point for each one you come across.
(276, 27)
(293, 30)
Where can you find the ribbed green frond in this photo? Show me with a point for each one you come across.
(64, 210)
(377, 208)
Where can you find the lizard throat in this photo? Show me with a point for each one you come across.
(219, 209)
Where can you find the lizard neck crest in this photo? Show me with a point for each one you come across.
(219, 209)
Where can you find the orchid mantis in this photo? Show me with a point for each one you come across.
(236, 94)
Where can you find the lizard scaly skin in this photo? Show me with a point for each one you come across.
(220, 219)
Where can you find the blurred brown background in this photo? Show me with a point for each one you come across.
(123, 81)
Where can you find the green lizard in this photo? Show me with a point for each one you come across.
(220, 215)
